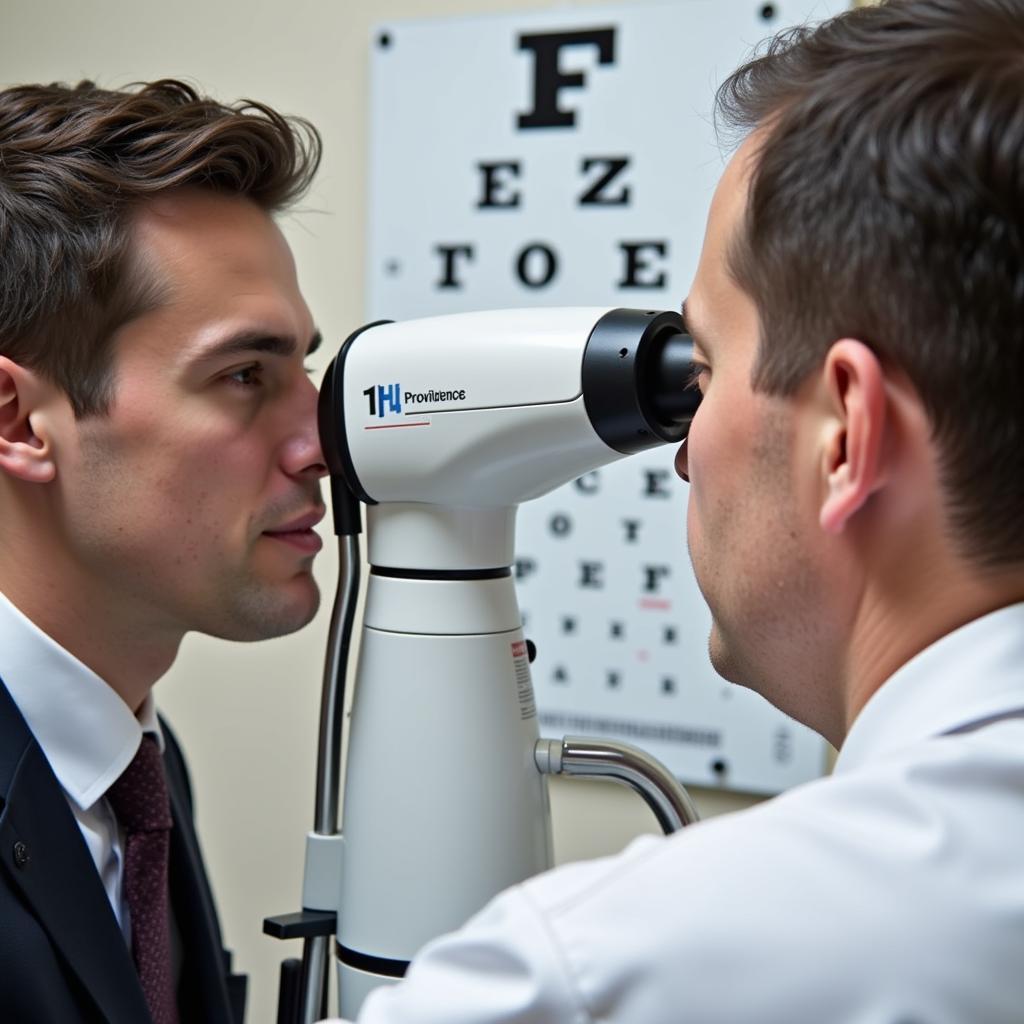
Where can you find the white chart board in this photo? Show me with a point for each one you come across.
(568, 158)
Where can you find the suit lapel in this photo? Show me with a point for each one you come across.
(203, 994)
(44, 853)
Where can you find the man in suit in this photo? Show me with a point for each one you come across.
(159, 473)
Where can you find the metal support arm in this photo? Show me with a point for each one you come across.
(587, 758)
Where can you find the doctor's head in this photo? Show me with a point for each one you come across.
(857, 462)
(159, 460)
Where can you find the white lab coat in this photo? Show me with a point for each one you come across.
(891, 892)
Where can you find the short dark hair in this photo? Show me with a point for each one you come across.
(74, 163)
(887, 204)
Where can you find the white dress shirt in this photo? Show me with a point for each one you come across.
(891, 892)
(86, 731)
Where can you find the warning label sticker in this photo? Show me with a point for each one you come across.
(524, 687)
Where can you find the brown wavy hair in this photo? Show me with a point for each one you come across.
(74, 162)
(886, 205)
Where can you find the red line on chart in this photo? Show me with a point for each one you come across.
(393, 426)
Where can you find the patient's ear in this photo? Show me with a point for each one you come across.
(26, 444)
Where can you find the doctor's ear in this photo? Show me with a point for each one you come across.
(26, 447)
(853, 464)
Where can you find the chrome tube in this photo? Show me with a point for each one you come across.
(332, 703)
(316, 958)
(582, 757)
(316, 950)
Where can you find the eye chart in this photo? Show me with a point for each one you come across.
(568, 158)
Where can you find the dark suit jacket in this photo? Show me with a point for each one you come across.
(63, 959)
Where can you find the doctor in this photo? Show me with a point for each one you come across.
(856, 524)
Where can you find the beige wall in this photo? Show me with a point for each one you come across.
(248, 713)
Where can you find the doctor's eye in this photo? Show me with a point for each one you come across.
(698, 376)
(250, 376)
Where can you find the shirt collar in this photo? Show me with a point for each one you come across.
(969, 675)
(87, 732)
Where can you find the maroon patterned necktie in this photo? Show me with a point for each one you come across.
(139, 800)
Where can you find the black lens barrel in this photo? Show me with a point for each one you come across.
(636, 373)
